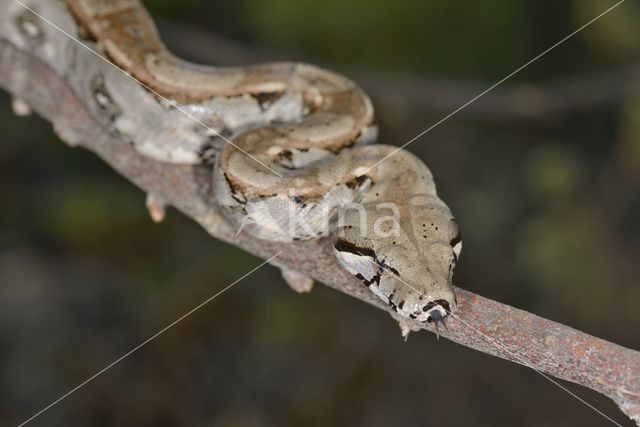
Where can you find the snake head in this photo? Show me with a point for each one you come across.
(409, 261)
(416, 286)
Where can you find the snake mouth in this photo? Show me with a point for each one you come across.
(436, 312)
(440, 305)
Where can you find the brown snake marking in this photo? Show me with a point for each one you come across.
(322, 159)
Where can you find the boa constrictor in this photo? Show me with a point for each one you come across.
(286, 140)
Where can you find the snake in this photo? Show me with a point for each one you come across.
(293, 151)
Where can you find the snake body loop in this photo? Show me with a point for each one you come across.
(313, 128)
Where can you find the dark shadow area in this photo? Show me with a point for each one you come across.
(548, 209)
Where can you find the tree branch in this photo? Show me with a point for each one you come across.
(482, 324)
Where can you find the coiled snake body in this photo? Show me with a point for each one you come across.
(298, 165)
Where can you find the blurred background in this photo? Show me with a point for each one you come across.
(542, 175)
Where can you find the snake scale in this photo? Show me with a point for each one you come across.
(290, 144)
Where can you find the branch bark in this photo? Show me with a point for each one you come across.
(483, 324)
